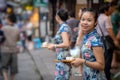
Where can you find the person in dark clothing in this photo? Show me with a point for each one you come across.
(104, 28)
(73, 24)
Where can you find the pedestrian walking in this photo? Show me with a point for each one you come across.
(28, 28)
(9, 48)
(61, 46)
(92, 49)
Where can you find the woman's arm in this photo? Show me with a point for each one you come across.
(98, 64)
(118, 35)
(99, 55)
(66, 41)
(79, 39)
(110, 31)
(80, 36)
(64, 44)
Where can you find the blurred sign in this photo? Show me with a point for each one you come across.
(28, 7)
(107, 0)
(81, 1)
(40, 3)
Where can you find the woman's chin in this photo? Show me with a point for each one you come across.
(84, 30)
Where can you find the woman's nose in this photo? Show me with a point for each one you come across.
(85, 22)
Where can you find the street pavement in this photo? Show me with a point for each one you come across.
(37, 65)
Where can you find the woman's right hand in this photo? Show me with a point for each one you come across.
(80, 37)
(51, 46)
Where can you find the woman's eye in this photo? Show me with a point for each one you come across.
(82, 19)
(89, 20)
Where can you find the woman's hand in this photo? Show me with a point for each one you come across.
(75, 29)
(77, 62)
(51, 46)
(116, 43)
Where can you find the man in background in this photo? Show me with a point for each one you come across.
(9, 48)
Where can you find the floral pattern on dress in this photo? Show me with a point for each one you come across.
(62, 70)
(90, 40)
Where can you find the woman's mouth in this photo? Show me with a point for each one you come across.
(84, 27)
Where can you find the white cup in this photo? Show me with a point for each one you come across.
(75, 52)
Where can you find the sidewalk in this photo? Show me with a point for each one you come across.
(43, 60)
(44, 63)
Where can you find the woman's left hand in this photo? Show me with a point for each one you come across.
(77, 62)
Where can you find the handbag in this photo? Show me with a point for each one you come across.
(107, 41)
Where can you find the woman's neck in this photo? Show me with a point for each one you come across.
(61, 22)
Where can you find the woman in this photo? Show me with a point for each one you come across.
(62, 43)
(92, 48)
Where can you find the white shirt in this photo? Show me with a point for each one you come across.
(104, 23)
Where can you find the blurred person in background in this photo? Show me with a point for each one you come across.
(61, 45)
(104, 28)
(20, 24)
(115, 19)
(9, 48)
(2, 39)
(35, 21)
(73, 24)
(28, 28)
(118, 36)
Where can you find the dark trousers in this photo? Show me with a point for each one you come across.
(109, 48)
(108, 60)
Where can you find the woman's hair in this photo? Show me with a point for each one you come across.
(80, 12)
(94, 12)
(63, 14)
(71, 14)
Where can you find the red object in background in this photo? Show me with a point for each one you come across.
(0, 26)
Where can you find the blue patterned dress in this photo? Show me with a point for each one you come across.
(62, 70)
(90, 40)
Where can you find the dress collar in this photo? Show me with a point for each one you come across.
(91, 33)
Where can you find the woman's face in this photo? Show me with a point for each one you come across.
(87, 22)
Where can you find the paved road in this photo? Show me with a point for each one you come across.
(38, 67)
(42, 62)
